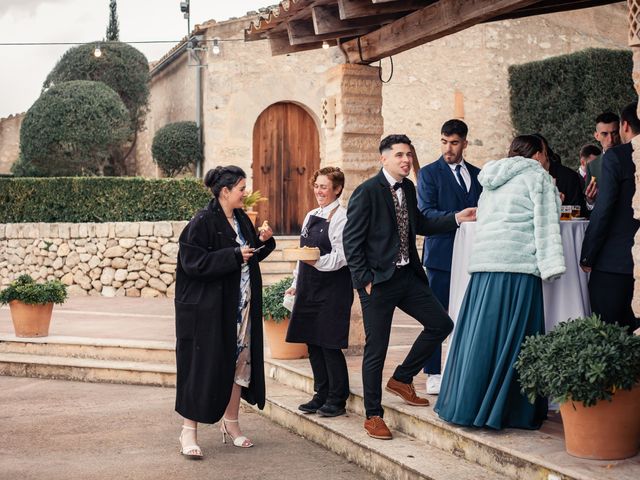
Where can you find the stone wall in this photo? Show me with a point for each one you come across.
(171, 99)
(111, 259)
(9, 141)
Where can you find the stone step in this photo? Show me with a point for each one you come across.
(271, 278)
(516, 455)
(87, 369)
(91, 348)
(402, 458)
(289, 241)
(277, 267)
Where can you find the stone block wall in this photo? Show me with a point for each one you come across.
(131, 259)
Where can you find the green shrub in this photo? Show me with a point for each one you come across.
(121, 66)
(584, 360)
(272, 296)
(26, 290)
(561, 97)
(99, 199)
(176, 146)
(71, 130)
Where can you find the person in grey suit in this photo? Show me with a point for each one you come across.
(606, 249)
(379, 241)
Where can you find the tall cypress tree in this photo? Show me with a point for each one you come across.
(113, 30)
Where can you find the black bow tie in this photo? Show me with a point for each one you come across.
(396, 186)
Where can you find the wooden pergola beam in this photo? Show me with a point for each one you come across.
(280, 45)
(552, 6)
(326, 19)
(350, 9)
(430, 23)
(302, 31)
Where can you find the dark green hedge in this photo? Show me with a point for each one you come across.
(560, 97)
(99, 199)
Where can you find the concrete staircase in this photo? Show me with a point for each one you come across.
(89, 360)
(423, 447)
(274, 267)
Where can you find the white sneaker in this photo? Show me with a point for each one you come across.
(433, 384)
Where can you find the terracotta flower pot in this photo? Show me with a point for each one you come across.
(605, 431)
(280, 349)
(30, 320)
(252, 215)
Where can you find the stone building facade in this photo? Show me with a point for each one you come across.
(472, 65)
(9, 141)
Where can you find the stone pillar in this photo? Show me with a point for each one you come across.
(351, 143)
(634, 42)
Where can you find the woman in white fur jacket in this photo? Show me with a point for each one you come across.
(517, 244)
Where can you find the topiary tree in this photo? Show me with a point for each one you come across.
(561, 97)
(176, 146)
(124, 69)
(121, 67)
(72, 128)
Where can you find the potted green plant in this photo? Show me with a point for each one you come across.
(276, 322)
(592, 369)
(251, 200)
(31, 304)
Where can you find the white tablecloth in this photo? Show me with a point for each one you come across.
(564, 298)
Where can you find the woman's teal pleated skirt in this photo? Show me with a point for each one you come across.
(479, 385)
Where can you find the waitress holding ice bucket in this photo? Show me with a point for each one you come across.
(323, 296)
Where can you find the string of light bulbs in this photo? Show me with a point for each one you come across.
(106, 42)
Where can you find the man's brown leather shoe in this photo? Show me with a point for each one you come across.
(407, 392)
(376, 428)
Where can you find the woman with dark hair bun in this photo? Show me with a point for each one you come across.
(517, 244)
(218, 303)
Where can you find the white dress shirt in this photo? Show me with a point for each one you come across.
(463, 171)
(392, 182)
(335, 259)
(399, 194)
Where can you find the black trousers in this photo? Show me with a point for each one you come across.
(330, 375)
(611, 295)
(413, 296)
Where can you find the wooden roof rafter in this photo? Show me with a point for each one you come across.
(369, 30)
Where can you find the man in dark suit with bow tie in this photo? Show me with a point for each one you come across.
(446, 186)
(606, 249)
(379, 243)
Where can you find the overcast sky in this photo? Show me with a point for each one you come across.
(24, 68)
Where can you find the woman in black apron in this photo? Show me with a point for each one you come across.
(323, 297)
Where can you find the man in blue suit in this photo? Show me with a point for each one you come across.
(606, 249)
(445, 186)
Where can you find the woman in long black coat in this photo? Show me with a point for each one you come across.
(218, 303)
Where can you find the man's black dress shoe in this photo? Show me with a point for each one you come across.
(312, 406)
(330, 410)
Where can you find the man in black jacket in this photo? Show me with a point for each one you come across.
(379, 243)
(606, 249)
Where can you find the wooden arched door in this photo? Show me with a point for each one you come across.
(286, 152)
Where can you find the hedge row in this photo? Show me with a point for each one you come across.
(561, 97)
(99, 199)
